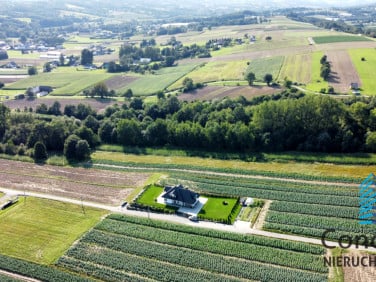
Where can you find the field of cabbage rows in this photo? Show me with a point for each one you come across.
(139, 249)
(306, 209)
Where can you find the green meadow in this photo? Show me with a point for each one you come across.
(339, 38)
(65, 81)
(366, 69)
(297, 68)
(262, 66)
(149, 84)
(41, 230)
(317, 83)
(216, 71)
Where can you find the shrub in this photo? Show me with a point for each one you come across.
(40, 151)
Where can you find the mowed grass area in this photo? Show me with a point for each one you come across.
(262, 66)
(218, 209)
(67, 81)
(151, 83)
(339, 38)
(149, 198)
(305, 168)
(297, 68)
(41, 230)
(216, 71)
(366, 69)
(317, 83)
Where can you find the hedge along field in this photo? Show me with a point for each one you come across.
(151, 83)
(42, 230)
(262, 66)
(66, 82)
(317, 83)
(339, 38)
(216, 71)
(366, 69)
(297, 68)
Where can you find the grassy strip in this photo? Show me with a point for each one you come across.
(339, 38)
(320, 172)
(337, 271)
(283, 157)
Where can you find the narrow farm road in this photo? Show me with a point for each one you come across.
(238, 227)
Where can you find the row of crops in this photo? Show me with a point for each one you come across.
(298, 207)
(274, 190)
(129, 247)
(37, 271)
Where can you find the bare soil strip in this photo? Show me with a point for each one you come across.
(343, 71)
(119, 81)
(99, 186)
(219, 92)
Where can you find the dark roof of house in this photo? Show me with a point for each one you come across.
(181, 194)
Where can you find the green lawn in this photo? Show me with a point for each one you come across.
(262, 66)
(339, 38)
(41, 230)
(216, 210)
(366, 69)
(67, 81)
(317, 83)
(149, 198)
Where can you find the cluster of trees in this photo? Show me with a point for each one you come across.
(87, 57)
(339, 25)
(25, 133)
(130, 56)
(325, 69)
(286, 121)
(250, 77)
(101, 90)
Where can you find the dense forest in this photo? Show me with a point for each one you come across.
(287, 121)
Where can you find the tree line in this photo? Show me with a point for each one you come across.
(282, 122)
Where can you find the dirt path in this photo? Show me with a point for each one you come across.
(343, 71)
(17, 276)
(360, 273)
(262, 215)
